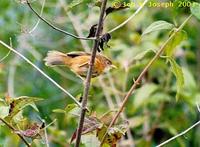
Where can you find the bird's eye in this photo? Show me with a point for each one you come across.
(108, 62)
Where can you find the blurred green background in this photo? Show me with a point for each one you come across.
(153, 112)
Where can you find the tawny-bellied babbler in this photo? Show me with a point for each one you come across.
(78, 62)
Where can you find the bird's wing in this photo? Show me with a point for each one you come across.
(85, 64)
(75, 54)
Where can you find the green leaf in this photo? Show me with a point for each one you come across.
(33, 131)
(141, 96)
(59, 111)
(137, 121)
(90, 140)
(34, 106)
(177, 71)
(158, 25)
(101, 132)
(106, 145)
(70, 107)
(174, 42)
(75, 111)
(67, 109)
(119, 129)
(114, 133)
(2, 102)
(18, 104)
(189, 79)
(195, 10)
(174, 132)
(90, 125)
(4, 111)
(98, 3)
(17, 118)
(159, 97)
(141, 55)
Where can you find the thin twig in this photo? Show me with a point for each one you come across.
(8, 51)
(5, 56)
(45, 135)
(198, 107)
(54, 27)
(37, 23)
(51, 123)
(45, 130)
(141, 76)
(39, 70)
(13, 129)
(77, 27)
(131, 17)
(89, 73)
(182, 133)
(76, 24)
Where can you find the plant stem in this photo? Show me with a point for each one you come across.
(131, 17)
(160, 51)
(178, 135)
(89, 73)
(12, 128)
(54, 27)
(5, 56)
(37, 23)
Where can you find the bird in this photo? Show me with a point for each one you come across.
(78, 62)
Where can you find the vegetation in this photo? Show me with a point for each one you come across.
(151, 99)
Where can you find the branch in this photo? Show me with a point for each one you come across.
(89, 73)
(12, 128)
(37, 23)
(54, 27)
(184, 132)
(44, 74)
(137, 82)
(198, 106)
(5, 56)
(50, 123)
(77, 27)
(131, 17)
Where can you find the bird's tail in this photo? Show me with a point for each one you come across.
(55, 58)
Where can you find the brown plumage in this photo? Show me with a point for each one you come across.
(78, 62)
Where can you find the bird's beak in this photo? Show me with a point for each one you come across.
(113, 66)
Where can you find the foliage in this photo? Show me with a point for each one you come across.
(158, 25)
(167, 95)
(195, 10)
